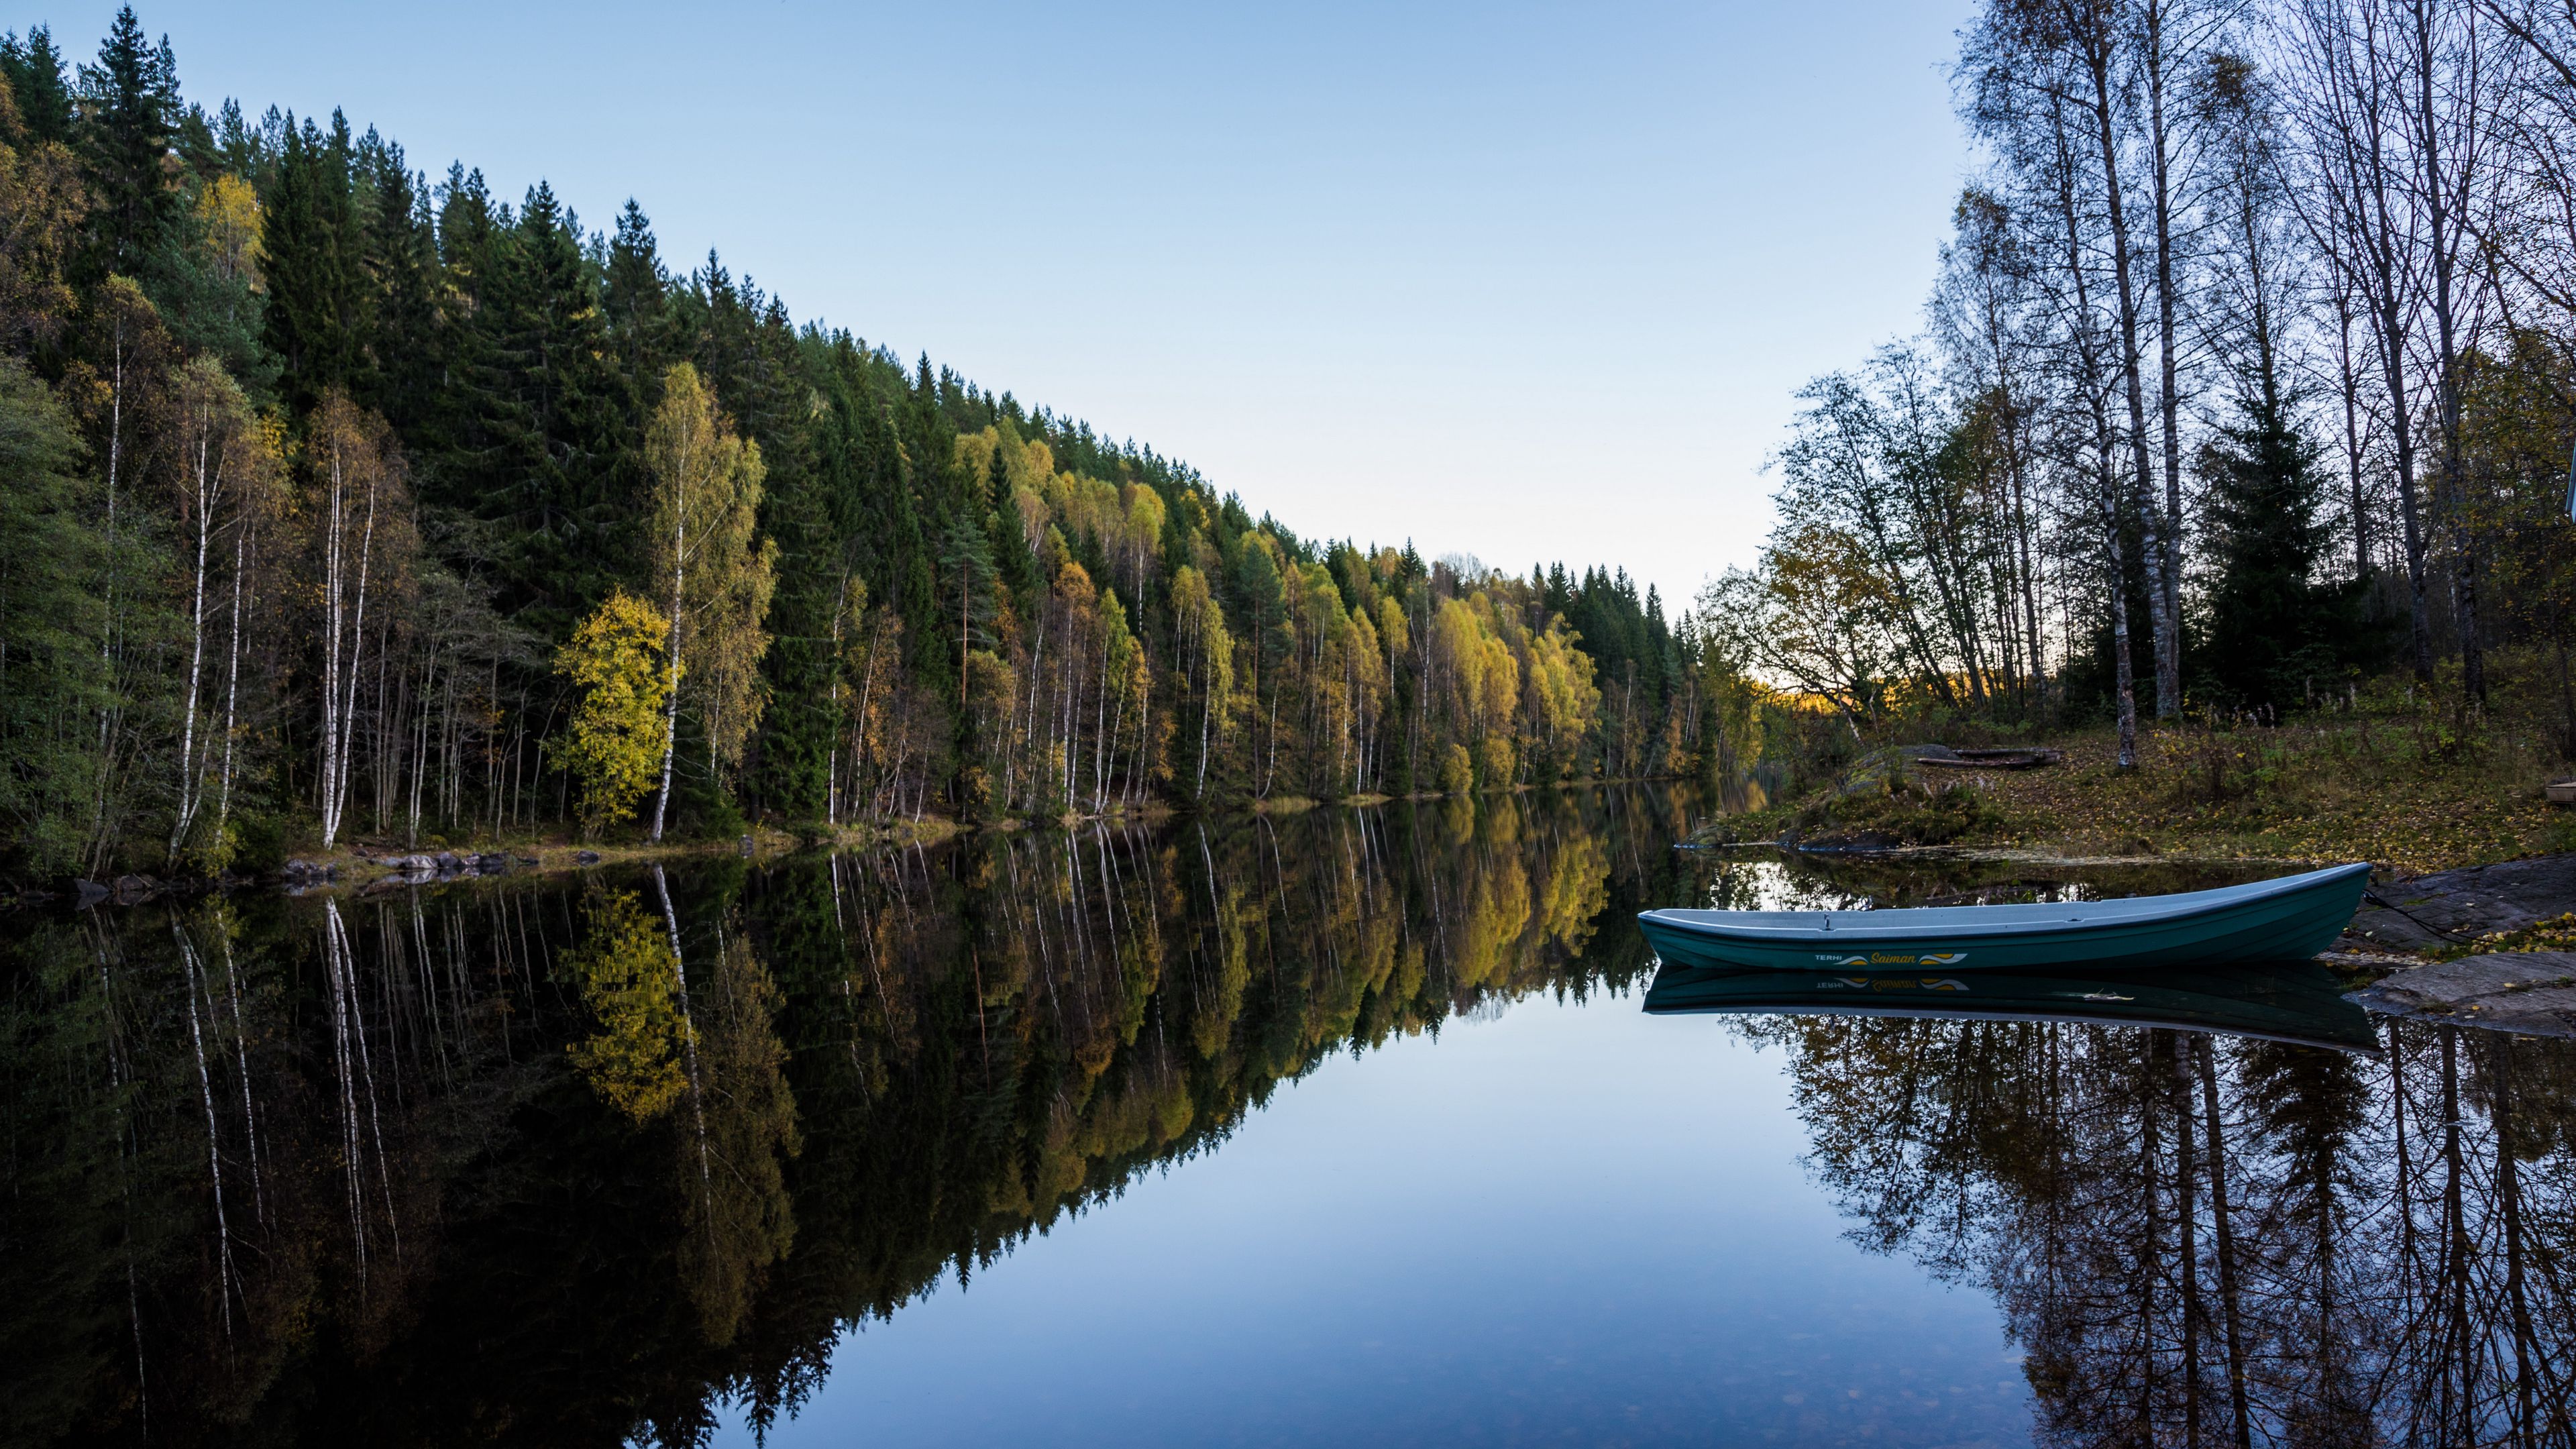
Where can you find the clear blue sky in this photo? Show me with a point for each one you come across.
(1525, 282)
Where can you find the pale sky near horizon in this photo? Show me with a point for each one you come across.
(1526, 282)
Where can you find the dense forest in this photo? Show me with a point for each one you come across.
(2247, 373)
(342, 504)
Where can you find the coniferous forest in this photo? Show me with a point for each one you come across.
(348, 502)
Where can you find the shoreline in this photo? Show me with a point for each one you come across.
(363, 864)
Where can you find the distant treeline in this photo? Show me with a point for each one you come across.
(340, 502)
(2248, 370)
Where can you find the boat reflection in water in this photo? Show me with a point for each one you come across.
(2296, 1002)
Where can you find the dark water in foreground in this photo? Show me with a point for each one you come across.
(1349, 1126)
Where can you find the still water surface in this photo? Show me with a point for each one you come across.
(1344, 1126)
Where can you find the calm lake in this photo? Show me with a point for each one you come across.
(1359, 1126)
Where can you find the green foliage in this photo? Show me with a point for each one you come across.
(53, 681)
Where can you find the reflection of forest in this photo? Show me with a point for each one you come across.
(532, 1161)
(2202, 1240)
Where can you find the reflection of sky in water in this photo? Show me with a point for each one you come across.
(1573, 1223)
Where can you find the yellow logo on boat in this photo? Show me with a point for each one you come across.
(1891, 983)
(1895, 958)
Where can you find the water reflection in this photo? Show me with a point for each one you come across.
(588, 1161)
(2296, 1002)
(2216, 1207)
(2202, 1238)
(575, 1162)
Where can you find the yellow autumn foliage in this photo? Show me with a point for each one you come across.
(614, 746)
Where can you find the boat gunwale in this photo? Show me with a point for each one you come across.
(2176, 908)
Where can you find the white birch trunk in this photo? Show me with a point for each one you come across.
(191, 787)
(671, 706)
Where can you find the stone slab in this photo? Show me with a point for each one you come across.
(2532, 993)
(2453, 907)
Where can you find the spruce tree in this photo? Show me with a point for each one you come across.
(2272, 625)
(1011, 554)
(34, 70)
(128, 120)
(399, 251)
(317, 312)
(635, 295)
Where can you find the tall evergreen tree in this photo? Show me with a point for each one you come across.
(317, 310)
(2274, 626)
(34, 70)
(128, 121)
(399, 251)
(635, 300)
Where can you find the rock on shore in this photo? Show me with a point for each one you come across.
(2529, 992)
(2454, 907)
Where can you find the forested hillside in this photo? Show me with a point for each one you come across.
(345, 503)
(2247, 374)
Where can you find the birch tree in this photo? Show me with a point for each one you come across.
(228, 467)
(714, 574)
(358, 496)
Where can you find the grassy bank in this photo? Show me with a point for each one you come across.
(2418, 790)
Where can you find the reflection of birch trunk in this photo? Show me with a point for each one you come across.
(2508, 1188)
(2149, 1152)
(2405, 1175)
(2455, 1243)
(241, 1061)
(688, 1039)
(350, 1149)
(2230, 1303)
(214, 1148)
(2186, 1233)
(357, 1072)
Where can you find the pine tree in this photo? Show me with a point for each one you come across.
(635, 298)
(1016, 565)
(555, 419)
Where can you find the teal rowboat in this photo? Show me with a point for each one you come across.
(2291, 1001)
(2288, 919)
